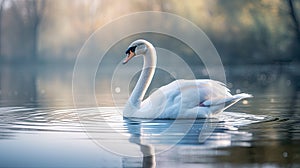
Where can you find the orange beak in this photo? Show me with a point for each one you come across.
(128, 57)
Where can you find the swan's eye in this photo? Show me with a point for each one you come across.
(132, 49)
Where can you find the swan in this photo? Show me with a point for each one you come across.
(200, 98)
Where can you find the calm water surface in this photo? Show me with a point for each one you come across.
(41, 127)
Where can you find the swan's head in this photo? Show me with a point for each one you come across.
(136, 48)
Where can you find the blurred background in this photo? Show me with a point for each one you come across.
(257, 40)
(251, 32)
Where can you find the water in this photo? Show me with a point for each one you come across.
(41, 127)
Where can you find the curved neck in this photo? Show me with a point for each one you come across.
(145, 78)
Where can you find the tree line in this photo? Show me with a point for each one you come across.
(259, 31)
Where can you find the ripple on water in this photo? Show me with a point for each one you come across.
(107, 119)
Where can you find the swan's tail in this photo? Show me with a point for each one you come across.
(227, 102)
(236, 98)
(242, 96)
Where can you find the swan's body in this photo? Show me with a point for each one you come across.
(199, 98)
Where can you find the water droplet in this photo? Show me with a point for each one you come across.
(288, 82)
(285, 154)
(117, 89)
(238, 91)
(245, 101)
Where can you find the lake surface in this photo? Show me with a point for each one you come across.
(41, 126)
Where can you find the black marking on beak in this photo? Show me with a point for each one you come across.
(132, 49)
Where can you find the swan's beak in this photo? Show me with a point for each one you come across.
(128, 57)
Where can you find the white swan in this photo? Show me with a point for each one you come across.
(179, 99)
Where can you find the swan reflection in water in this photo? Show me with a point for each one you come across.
(147, 150)
(147, 143)
(159, 138)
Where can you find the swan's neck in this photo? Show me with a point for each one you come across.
(145, 78)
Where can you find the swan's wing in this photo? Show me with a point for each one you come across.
(202, 96)
(189, 93)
